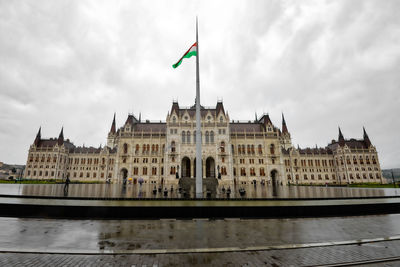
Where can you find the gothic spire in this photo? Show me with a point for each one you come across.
(112, 130)
(284, 127)
(366, 138)
(38, 136)
(60, 140)
(341, 138)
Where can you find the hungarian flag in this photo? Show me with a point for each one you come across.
(191, 52)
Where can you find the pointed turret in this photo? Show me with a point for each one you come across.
(60, 139)
(112, 130)
(366, 138)
(341, 138)
(38, 137)
(175, 106)
(284, 127)
(220, 107)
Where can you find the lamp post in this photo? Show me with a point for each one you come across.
(394, 183)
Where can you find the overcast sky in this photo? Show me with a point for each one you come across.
(323, 64)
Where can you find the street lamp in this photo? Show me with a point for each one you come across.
(394, 183)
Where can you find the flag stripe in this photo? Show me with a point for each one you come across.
(192, 51)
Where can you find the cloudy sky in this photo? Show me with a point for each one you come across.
(323, 64)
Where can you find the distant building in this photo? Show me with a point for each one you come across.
(233, 151)
(11, 171)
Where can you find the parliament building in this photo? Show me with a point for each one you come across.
(234, 152)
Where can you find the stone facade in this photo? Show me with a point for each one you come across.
(232, 151)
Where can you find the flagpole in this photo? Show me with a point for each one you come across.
(199, 178)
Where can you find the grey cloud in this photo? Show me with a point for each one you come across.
(75, 63)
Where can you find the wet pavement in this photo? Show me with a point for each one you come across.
(164, 192)
(355, 255)
(91, 238)
(115, 235)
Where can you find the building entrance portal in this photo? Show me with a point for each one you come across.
(210, 167)
(185, 167)
(274, 177)
(124, 175)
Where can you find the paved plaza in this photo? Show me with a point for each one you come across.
(47, 242)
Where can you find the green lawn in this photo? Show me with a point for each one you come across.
(374, 185)
(367, 185)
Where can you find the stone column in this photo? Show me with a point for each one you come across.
(192, 164)
(204, 168)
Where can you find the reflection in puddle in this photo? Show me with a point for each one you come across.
(168, 191)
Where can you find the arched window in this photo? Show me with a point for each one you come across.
(144, 148)
(260, 149)
(248, 149)
(194, 137)
(173, 170)
(348, 160)
(252, 149)
(125, 148)
(221, 119)
(148, 148)
(153, 148)
(137, 148)
(212, 137)
(157, 148)
(223, 147)
(239, 149)
(223, 170)
(361, 160)
(188, 137)
(173, 146)
(173, 119)
(243, 149)
(233, 149)
(183, 137)
(272, 149)
(207, 137)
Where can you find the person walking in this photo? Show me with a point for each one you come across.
(66, 185)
